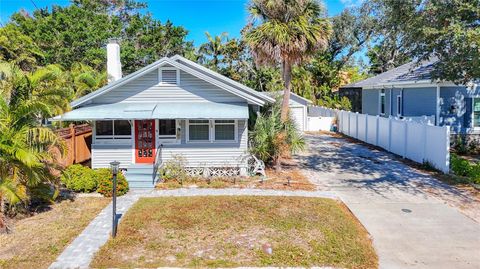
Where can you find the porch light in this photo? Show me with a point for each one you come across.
(114, 166)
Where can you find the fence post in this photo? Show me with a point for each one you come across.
(389, 134)
(356, 125)
(424, 140)
(377, 131)
(447, 131)
(72, 142)
(405, 145)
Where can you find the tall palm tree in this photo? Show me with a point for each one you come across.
(213, 49)
(25, 156)
(286, 33)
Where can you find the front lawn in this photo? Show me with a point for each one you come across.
(35, 242)
(235, 231)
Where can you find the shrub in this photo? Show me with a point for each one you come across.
(460, 166)
(79, 178)
(272, 139)
(105, 182)
(174, 169)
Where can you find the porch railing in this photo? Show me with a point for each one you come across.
(158, 161)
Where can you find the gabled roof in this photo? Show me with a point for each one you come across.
(280, 93)
(409, 72)
(192, 68)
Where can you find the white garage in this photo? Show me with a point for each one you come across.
(298, 108)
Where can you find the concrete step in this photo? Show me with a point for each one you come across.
(140, 169)
(134, 185)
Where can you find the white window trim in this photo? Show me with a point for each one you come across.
(382, 94)
(160, 83)
(476, 128)
(235, 130)
(211, 133)
(399, 105)
(167, 139)
(111, 139)
(187, 138)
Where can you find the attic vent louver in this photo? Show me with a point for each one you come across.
(168, 76)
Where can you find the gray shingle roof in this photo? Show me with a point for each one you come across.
(411, 71)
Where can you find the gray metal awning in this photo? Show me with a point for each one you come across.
(174, 110)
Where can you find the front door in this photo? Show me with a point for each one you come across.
(145, 141)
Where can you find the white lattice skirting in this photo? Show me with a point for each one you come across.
(213, 171)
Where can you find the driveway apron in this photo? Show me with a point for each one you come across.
(411, 228)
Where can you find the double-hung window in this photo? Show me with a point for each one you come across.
(224, 130)
(109, 130)
(212, 131)
(199, 130)
(167, 131)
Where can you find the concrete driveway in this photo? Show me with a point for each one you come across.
(412, 217)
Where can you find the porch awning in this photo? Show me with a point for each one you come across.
(175, 110)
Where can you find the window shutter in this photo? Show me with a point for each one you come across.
(169, 76)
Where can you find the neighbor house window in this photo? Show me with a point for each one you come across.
(168, 76)
(116, 130)
(399, 105)
(224, 130)
(199, 130)
(476, 112)
(382, 102)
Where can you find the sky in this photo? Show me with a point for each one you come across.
(197, 16)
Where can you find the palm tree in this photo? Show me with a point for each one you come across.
(213, 49)
(286, 33)
(86, 79)
(25, 146)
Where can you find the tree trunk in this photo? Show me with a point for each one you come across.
(287, 79)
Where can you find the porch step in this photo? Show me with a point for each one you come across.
(141, 176)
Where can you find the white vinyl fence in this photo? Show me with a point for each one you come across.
(419, 142)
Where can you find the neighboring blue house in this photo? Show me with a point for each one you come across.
(409, 92)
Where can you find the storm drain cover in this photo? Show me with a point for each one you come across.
(406, 210)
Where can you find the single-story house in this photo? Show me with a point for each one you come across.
(409, 91)
(298, 108)
(172, 107)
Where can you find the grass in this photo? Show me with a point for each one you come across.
(233, 231)
(287, 179)
(36, 241)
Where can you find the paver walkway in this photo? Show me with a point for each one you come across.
(411, 226)
(80, 252)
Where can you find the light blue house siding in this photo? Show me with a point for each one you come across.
(419, 102)
(370, 101)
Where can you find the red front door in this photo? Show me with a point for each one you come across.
(145, 141)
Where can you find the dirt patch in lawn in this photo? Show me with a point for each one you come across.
(35, 242)
(238, 231)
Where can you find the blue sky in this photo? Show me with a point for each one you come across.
(197, 16)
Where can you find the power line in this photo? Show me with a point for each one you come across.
(35, 5)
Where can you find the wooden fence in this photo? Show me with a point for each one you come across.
(78, 140)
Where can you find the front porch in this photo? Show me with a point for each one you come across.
(141, 137)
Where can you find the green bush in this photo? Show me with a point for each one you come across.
(460, 166)
(79, 178)
(105, 182)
